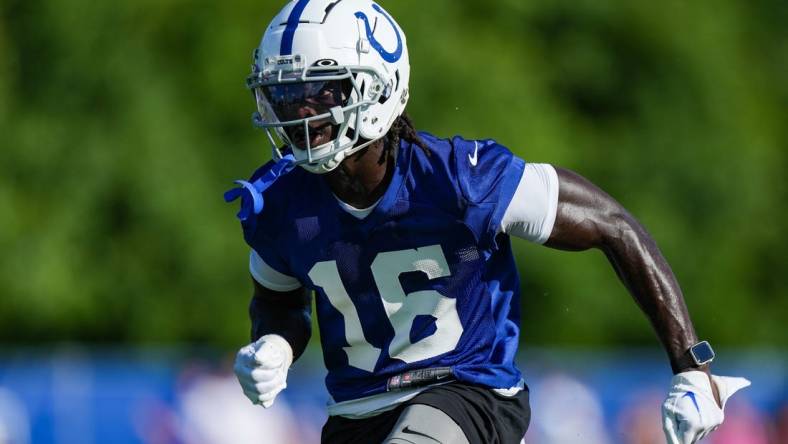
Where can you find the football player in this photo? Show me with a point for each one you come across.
(404, 239)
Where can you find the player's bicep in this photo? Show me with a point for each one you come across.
(268, 299)
(586, 216)
(274, 291)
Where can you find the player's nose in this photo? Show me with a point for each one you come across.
(301, 111)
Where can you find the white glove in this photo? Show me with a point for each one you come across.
(690, 411)
(261, 368)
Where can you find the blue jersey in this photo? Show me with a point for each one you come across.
(425, 280)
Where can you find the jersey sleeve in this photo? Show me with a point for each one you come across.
(268, 277)
(532, 210)
(488, 175)
(267, 262)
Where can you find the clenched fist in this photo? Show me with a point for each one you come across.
(261, 368)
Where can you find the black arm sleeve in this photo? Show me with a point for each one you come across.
(288, 314)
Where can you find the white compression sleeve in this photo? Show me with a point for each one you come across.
(269, 278)
(531, 213)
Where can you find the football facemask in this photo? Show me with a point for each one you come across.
(309, 102)
(313, 112)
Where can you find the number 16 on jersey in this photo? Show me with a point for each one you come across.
(401, 309)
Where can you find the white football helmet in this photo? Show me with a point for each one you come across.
(329, 73)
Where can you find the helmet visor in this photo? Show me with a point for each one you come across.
(294, 102)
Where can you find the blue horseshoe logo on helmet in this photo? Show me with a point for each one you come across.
(390, 57)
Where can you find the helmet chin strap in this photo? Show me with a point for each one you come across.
(330, 163)
(251, 194)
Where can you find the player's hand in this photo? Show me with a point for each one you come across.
(261, 368)
(690, 411)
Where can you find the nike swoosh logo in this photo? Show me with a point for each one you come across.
(691, 396)
(410, 431)
(475, 158)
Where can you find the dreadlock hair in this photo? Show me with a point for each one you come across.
(403, 129)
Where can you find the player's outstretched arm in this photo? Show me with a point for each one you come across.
(281, 327)
(587, 217)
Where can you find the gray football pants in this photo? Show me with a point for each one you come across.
(423, 424)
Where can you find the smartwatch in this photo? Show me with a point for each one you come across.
(696, 356)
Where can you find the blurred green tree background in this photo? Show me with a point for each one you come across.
(121, 124)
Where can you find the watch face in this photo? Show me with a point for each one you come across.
(702, 353)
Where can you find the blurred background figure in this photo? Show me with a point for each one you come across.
(209, 411)
(743, 425)
(637, 423)
(14, 421)
(781, 423)
(565, 411)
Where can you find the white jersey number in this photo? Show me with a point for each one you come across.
(401, 309)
